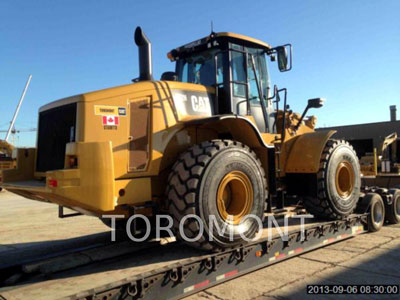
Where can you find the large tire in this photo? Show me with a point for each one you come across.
(376, 216)
(337, 184)
(393, 210)
(206, 176)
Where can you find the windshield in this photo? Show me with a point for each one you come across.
(199, 68)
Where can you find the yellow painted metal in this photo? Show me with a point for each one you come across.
(102, 170)
(102, 180)
(244, 38)
(92, 184)
(242, 129)
(369, 162)
(344, 179)
(234, 197)
(164, 125)
(90, 187)
(271, 138)
(24, 168)
(255, 42)
(133, 191)
(305, 153)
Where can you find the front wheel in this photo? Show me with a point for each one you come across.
(338, 182)
(212, 190)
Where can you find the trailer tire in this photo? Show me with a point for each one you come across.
(376, 216)
(202, 179)
(393, 209)
(338, 182)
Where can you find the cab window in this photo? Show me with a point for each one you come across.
(238, 66)
(261, 73)
(198, 69)
(239, 72)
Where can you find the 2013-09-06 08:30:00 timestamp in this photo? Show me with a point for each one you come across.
(367, 289)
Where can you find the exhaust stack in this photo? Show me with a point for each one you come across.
(393, 116)
(145, 62)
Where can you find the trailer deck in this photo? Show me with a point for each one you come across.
(175, 270)
(382, 180)
(91, 267)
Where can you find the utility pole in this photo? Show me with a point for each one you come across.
(18, 107)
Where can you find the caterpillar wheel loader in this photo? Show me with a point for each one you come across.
(211, 139)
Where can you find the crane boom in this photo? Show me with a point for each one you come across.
(17, 109)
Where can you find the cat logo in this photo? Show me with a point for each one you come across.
(192, 103)
(200, 104)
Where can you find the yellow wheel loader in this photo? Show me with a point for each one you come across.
(211, 140)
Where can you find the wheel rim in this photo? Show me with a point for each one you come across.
(345, 179)
(234, 197)
(378, 213)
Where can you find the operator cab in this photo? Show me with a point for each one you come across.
(235, 65)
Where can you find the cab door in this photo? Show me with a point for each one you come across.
(247, 86)
(139, 134)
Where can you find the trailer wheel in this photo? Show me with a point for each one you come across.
(212, 189)
(338, 182)
(376, 216)
(393, 210)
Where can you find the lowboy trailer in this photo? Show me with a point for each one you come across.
(174, 271)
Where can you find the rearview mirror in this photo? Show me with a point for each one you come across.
(315, 103)
(284, 54)
(282, 58)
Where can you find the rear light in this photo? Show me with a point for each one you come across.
(53, 182)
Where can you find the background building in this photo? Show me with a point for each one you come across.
(366, 137)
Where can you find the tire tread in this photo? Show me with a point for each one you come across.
(184, 183)
(320, 205)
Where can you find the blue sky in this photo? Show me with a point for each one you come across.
(344, 51)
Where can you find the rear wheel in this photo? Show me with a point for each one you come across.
(393, 210)
(337, 184)
(218, 183)
(376, 216)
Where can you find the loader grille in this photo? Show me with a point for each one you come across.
(56, 129)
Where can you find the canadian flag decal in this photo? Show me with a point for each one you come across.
(110, 120)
